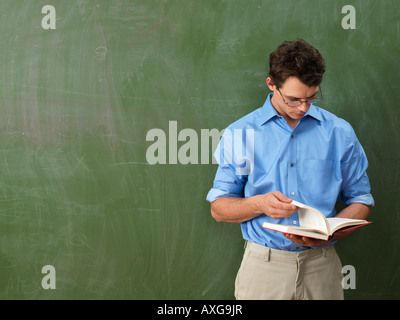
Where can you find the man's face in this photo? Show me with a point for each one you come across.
(291, 90)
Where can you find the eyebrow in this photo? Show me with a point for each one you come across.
(294, 98)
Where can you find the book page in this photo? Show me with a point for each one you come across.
(300, 231)
(338, 223)
(311, 218)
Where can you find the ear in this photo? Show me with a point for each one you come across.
(270, 84)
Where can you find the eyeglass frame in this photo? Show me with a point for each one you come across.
(301, 101)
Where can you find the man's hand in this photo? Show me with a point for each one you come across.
(233, 209)
(305, 241)
(276, 205)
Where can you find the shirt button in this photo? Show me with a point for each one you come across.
(292, 193)
(292, 136)
(294, 222)
(292, 165)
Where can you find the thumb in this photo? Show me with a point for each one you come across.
(282, 197)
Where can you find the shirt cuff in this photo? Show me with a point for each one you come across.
(214, 194)
(366, 199)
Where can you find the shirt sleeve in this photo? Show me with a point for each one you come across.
(356, 187)
(229, 180)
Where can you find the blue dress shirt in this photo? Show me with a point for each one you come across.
(318, 163)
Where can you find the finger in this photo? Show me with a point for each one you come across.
(281, 197)
(283, 209)
(278, 214)
(282, 202)
(294, 238)
(309, 242)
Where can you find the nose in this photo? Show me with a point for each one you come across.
(304, 106)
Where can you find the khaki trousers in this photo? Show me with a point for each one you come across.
(267, 274)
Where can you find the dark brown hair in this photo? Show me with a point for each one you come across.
(299, 59)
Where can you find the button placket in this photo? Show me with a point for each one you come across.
(292, 174)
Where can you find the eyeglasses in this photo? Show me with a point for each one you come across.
(297, 102)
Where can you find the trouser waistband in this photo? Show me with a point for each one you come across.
(270, 253)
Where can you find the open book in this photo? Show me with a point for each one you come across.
(314, 224)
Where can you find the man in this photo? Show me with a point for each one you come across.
(291, 150)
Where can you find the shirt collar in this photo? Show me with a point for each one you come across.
(269, 112)
(314, 112)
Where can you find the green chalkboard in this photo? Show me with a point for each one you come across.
(88, 88)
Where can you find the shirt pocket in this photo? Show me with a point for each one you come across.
(319, 179)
